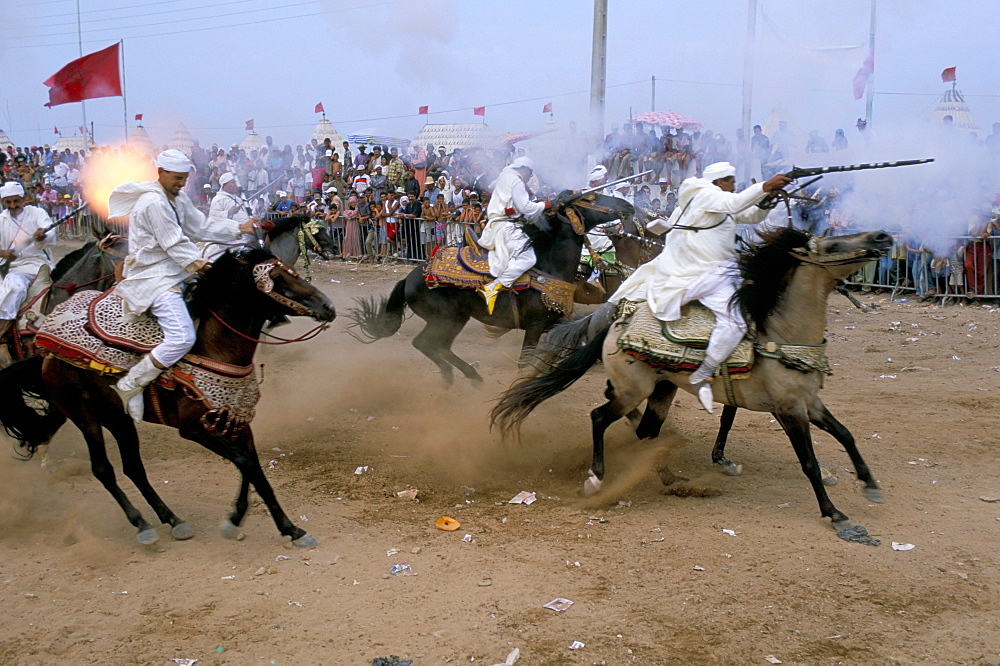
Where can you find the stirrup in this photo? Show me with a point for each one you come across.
(705, 397)
(490, 295)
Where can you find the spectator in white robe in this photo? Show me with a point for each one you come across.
(24, 249)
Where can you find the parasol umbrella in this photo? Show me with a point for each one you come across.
(668, 118)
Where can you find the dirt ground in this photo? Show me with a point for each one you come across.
(656, 580)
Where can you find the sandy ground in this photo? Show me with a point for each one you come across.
(657, 582)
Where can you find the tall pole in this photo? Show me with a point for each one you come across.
(871, 77)
(652, 103)
(79, 43)
(748, 49)
(598, 74)
(124, 96)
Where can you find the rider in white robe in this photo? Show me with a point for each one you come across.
(698, 261)
(24, 249)
(510, 255)
(163, 228)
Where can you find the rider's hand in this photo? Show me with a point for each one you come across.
(9, 255)
(39, 235)
(776, 182)
(247, 227)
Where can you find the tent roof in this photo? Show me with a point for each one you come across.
(5, 140)
(74, 143)
(325, 129)
(953, 104)
(252, 141)
(456, 135)
(141, 142)
(182, 140)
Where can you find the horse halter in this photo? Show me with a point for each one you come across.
(586, 201)
(265, 284)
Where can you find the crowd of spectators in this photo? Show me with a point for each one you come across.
(388, 202)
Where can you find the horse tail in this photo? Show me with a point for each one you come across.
(378, 317)
(564, 339)
(526, 393)
(25, 412)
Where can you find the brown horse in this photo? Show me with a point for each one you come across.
(786, 283)
(633, 246)
(232, 302)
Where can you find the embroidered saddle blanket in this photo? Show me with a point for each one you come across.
(469, 268)
(676, 346)
(229, 393)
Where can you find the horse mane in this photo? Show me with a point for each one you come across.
(767, 269)
(70, 260)
(223, 279)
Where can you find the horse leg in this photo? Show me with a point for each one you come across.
(76, 400)
(435, 342)
(230, 527)
(657, 408)
(619, 403)
(532, 334)
(825, 421)
(796, 426)
(719, 450)
(120, 425)
(242, 453)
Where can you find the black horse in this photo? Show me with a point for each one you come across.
(241, 291)
(447, 309)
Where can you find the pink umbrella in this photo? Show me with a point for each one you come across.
(510, 138)
(668, 118)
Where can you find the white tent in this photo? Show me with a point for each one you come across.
(182, 140)
(251, 142)
(140, 142)
(5, 140)
(326, 130)
(74, 143)
(953, 104)
(456, 135)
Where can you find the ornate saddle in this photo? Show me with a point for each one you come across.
(89, 332)
(469, 268)
(676, 346)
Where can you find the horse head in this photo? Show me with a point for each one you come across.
(584, 212)
(252, 275)
(768, 268)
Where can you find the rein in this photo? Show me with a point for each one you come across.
(308, 335)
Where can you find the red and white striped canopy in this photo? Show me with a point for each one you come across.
(668, 118)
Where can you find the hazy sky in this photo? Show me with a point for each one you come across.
(373, 62)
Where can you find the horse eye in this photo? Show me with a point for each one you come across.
(833, 248)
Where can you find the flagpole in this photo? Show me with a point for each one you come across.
(871, 76)
(124, 98)
(79, 43)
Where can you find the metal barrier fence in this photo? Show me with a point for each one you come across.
(970, 270)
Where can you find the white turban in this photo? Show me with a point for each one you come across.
(718, 170)
(174, 161)
(281, 193)
(598, 172)
(11, 188)
(525, 162)
(227, 177)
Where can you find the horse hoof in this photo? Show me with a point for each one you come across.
(592, 485)
(729, 468)
(148, 536)
(827, 476)
(230, 531)
(182, 531)
(874, 495)
(305, 541)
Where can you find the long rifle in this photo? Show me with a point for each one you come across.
(803, 172)
(598, 188)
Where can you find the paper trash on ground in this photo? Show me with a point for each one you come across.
(523, 497)
(559, 604)
(902, 546)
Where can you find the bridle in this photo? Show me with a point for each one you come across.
(265, 284)
(810, 254)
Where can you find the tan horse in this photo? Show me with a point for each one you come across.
(787, 280)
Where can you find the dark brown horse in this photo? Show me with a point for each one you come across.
(232, 302)
(634, 246)
(448, 309)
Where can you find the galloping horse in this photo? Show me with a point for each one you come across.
(786, 283)
(556, 236)
(241, 291)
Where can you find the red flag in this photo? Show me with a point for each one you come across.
(422, 109)
(250, 125)
(547, 108)
(93, 75)
(319, 108)
(862, 75)
(82, 130)
(56, 130)
(138, 116)
(479, 111)
(948, 75)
